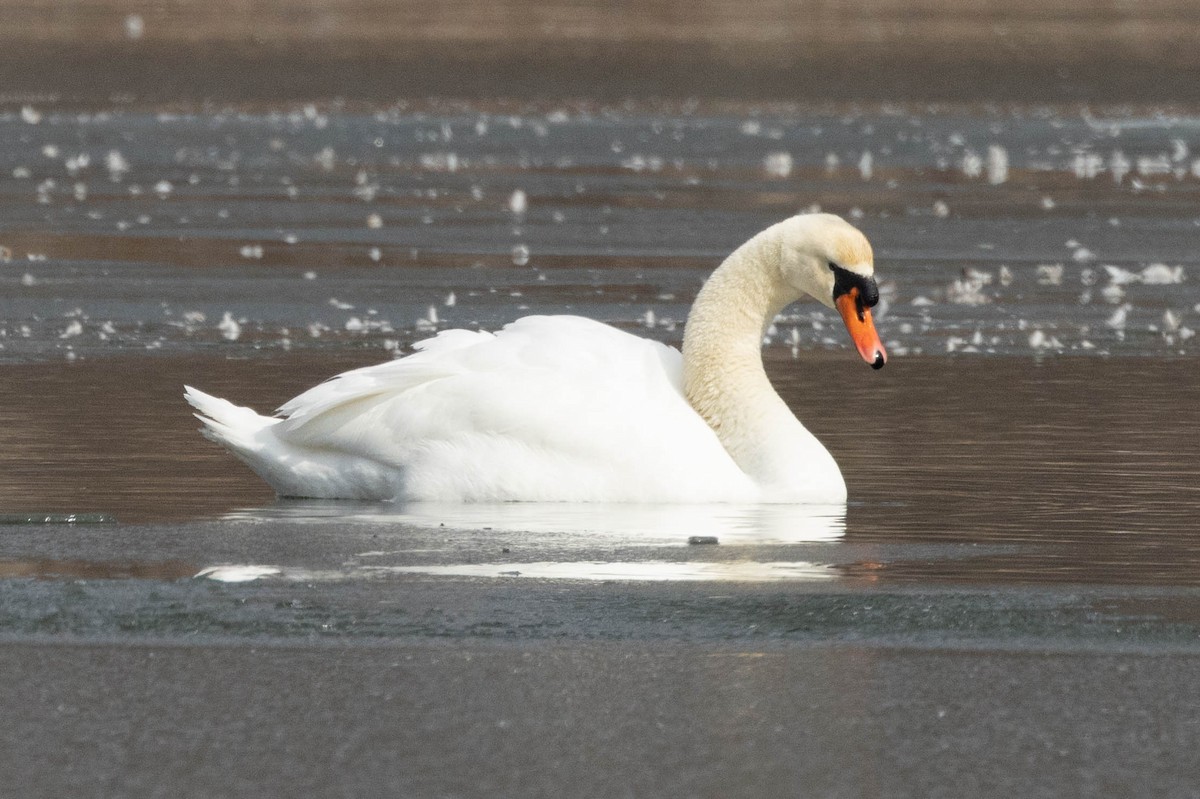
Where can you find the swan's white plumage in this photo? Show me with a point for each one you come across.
(551, 408)
(562, 408)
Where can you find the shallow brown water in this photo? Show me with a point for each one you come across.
(1077, 470)
(253, 196)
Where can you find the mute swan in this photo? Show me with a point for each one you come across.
(562, 408)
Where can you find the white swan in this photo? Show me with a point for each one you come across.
(561, 408)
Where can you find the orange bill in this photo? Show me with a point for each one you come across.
(862, 330)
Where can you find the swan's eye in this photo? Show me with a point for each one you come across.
(844, 280)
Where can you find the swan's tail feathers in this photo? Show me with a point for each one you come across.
(292, 469)
(227, 424)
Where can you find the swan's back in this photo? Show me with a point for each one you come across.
(551, 408)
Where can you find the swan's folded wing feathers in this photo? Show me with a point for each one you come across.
(566, 388)
(432, 360)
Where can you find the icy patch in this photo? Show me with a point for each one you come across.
(239, 574)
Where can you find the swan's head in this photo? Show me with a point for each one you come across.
(824, 256)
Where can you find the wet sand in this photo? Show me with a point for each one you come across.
(85, 51)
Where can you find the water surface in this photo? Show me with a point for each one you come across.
(1036, 423)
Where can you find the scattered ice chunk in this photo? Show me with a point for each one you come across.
(229, 327)
(72, 330)
(518, 203)
(1087, 165)
(375, 254)
(1083, 255)
(429, 322)
(1161, 275)
(1113, 293)
(968, 290)
(778, 165)
(1170, 321)
(997, 164)
(866, 165)
(135, 27)
(30, 115)
(366, 191)
(1119, 277)
(1118, 166)
(238, 574)
(1119, 316)
(163, 188)
(374, 221)
(972, 164)
(44, 190)
(450, 300)
(1153, 165)
(520, 255)
(341, 306)
(1050, 274)
(354, 325)
(251, 251)
(439, 162)
(77, 163)
(940, 209)
(1006, 276)
(979, 276)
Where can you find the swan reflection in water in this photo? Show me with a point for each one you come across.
(627, 523)
(576, 526)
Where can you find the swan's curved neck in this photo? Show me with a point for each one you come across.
(738, 302)
(723, 374)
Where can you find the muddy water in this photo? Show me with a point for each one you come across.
(961, 469)
(1037, 421)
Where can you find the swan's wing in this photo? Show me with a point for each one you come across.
(434, 359)
(548, 408)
